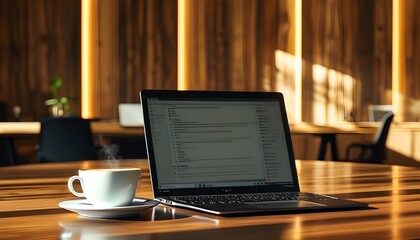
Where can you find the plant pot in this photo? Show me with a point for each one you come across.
(55, 111)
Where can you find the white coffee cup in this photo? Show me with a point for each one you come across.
(106, 188)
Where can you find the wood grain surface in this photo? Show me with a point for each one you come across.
(29, 197)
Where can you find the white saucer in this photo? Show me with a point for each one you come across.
(84, 208)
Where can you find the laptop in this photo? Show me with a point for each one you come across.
(130, 115)
(377, 112)
(225, 153)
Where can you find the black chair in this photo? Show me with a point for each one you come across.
(66, 139)
(8, 155)
(374, 152)
(133, 147)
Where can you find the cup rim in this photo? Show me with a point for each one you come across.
(116, 169)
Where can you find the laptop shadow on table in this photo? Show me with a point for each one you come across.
(100, 229)
(298, 211)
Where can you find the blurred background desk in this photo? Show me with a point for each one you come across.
(27, 134)
(30, 195)
(328, 134)
(99, 128)
(112, 129)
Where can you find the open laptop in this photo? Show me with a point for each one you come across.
(377, 112)
(130, 115)
(225, 153)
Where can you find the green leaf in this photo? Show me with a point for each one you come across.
(64, 100)
(51, 101)
(56, 83)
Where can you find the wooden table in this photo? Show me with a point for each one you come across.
(29, 197)
(11, 130)
(328, 133)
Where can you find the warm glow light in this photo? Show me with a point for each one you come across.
(298, 61)
(285, 80)
(395, 202)
(298, 166)
(320, 77)
(397, 51)
(182, 55)
(86, 60)
(297, 228)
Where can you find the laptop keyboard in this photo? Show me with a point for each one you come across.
(236, 198)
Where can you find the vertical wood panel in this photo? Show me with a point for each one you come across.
(382, 52)
(233, 43)
(38, 40)
(268, 26)
(349, 42)
(108, 80)
(412, 60)
(138, 50)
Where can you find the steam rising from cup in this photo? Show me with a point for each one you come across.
(110, 153)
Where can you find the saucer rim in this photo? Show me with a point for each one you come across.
(84, 205)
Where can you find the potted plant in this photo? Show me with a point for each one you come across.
(58, 106)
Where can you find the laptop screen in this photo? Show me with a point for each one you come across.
(130, 115)
(227, 142)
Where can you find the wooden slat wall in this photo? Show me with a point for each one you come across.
(412, 60)
(137, 48)
(232, 44)
(38, 40)
(137, 42)
(349, 43)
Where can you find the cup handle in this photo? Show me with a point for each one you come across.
(70, 186)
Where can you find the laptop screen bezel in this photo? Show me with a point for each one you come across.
(175, 95)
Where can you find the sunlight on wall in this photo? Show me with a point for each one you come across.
(338, 97)
(320, 75)
(182, 43)
(397, 55)
(329, 105)
(348, 93)
(87, 60)
(332, 90)
(298, 59)
(285, 81)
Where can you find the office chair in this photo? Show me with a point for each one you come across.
(66, 139)
(8, 155)
(132, 147)
(373, 152)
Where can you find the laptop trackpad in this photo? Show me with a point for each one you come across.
(284, 204)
